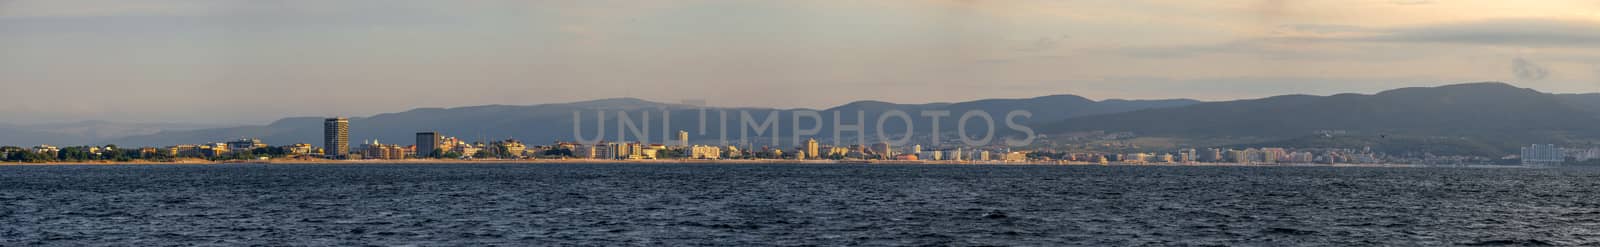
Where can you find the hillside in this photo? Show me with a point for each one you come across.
(550, 122)
(1483, 114)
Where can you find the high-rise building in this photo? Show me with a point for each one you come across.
(1542, 155)
(336, 137)
(812, 148)
(683, 138)
(426, 143)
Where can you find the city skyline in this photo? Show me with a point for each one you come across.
(249, 62)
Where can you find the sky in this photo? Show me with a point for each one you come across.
(251, 62)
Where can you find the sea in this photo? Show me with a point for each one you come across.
(793, 205)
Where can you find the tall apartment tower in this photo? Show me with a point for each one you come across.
(812, 148)
(336, 137)
(683, 138)
(426, 143)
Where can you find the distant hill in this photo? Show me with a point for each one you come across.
(1485, 114)
(1589, 102)
(548, 122)
(83, 133)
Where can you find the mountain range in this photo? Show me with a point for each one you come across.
(1475, 118)
(551, 122)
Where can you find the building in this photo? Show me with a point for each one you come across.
(1583, 154)
(1212, 155)
(654, 151)
(1274, 155)
(1187, 155)
(1238, 156)
(427, 142)
(1014, 157)
(336, 137)
(883, 150)
(466, 150)
(705, 152)
(683, 138)
(148, 152)
(512, 147)
(1542, 155)
(298, 149)
(587, 152)
(214, 150)
(907, 157)
(812, 149)
(930, 155)
(839, 152)
(46, 149)
(375, 150)
(246, 145)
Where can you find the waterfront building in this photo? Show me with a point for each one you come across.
(1016, 157)
(298, 149)
(214, 150)
(336, 137)
(427, 142)
(733, 152)
(1583, 154)
(375, 150)
(705, 152)
(512, 147)
(653, 151)
(246, 145)
(838, 152)
(46, 149)
(467, 150)
(1273, 155)
(586, 152)
(1238, 156)
(908, 157)
(812, 149)
(635, 151)
(1213, 155)
(1542, 155)
(1301, 157)
(1137, 158)
(683, 139)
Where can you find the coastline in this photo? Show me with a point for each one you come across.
(691, 161)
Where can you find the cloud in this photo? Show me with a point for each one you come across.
(1042, 44)
(1322, 41)
(1411, 2)
(1325, 28)
(1527, 70)
(1503, 32)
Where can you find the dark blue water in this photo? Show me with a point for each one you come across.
(744, 205)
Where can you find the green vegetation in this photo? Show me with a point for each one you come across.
(79, 154)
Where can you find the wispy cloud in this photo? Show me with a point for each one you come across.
(1504, 32)
(1527, 70)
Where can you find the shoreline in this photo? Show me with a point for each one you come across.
(712, 162)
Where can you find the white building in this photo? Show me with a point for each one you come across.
(1542, 155)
